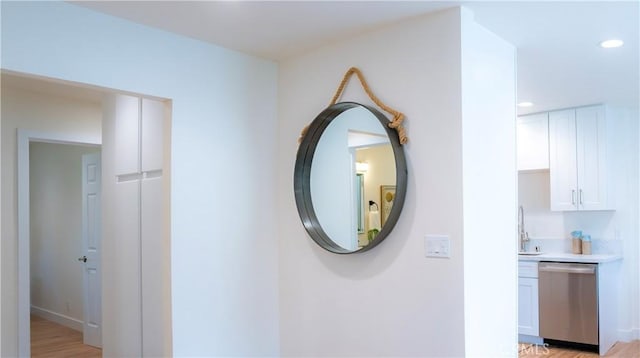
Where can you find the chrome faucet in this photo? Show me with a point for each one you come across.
(524, 236)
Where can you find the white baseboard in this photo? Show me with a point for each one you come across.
(628, 335)
(57, 318)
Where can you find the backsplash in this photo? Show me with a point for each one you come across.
(551, 230)
(598, 247)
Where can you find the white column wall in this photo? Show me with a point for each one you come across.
(224, 266)
(621, 229)
(1, 210)
(490, 189)
(635, 311)
(390, 301)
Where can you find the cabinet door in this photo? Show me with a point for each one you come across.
(154, 260)
(591, 154)
(122, 296)
(152, 137)
(533, 142)
(528, 306)
(562, 160)
(126, 110)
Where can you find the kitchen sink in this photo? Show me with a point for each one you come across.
(530, 253)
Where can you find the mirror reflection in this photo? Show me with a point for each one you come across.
(353, 178)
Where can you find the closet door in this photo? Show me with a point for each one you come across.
(126, 270)
(152, 138)
(137, 290)
(122, 299)
(155, 287)
(127, 135)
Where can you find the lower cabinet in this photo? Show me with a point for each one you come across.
(608, 273)
(528, 298)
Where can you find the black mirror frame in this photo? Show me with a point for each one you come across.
(302, 178)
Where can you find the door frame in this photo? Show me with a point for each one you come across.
(24, 277)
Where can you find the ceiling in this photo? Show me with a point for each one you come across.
(559, 61)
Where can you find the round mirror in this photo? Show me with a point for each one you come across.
(350, 178)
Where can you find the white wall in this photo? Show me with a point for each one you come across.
(489, 194)
(625, 221)
(1, 210)
(56, 228)
(37, 112)
(636, 292)
(391, 301)
(223, 240)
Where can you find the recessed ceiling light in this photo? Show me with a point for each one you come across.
(613, 43)
(525, 104)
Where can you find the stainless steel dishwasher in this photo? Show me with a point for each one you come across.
(568, 301)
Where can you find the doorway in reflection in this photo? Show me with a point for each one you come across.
(374, 169)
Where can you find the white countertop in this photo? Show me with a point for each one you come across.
(562, 257)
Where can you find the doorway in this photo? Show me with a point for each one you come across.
(136, 295)
(124, 295)
(65, 225)
(49, 239)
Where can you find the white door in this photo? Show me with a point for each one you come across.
(528, 306)
(533, 142)
(592, 169)
(562, 160)
(91, 240)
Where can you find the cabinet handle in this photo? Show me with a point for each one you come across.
(580, 197)
(573, 197)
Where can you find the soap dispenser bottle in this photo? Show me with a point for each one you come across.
(586, 245)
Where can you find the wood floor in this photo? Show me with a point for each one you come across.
(620, 350)
(49, 339)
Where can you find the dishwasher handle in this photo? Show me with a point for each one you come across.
(564, 268)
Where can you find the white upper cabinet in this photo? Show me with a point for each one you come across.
(592, 159)
(578, 159)
(533, 142)
(139, 127)
(562, 160)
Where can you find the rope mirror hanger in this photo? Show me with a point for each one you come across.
(398, 117)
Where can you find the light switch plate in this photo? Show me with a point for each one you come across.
(437, 246)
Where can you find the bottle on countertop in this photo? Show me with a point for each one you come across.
(576, 242)
(586, 245)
